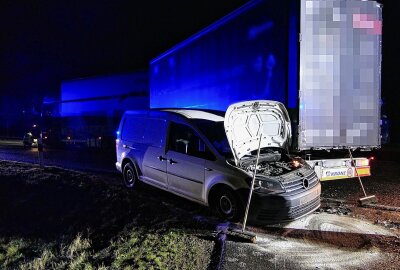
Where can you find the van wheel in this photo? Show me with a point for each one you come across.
(227, 204)
(130, 176)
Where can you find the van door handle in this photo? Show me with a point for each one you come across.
(161, 158)
(208, 169)
(171, 161)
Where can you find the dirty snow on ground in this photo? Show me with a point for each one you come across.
(311, 255)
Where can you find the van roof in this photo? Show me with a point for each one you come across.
(187, 113)
(197, 114)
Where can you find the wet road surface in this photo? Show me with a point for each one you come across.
(73, 158)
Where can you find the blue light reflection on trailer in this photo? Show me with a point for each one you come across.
(105, 95)
(252, 64)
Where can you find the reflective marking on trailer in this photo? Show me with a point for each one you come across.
(343, 173)
(334, 177)
(364, 171)
(336, 173)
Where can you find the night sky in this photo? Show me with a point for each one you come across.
(45, 42)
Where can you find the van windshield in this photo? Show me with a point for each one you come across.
(215, 133)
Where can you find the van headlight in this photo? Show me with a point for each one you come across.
(268, 186)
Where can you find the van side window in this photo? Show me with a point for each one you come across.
(183, 139)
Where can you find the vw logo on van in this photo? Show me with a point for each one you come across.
(305, 183)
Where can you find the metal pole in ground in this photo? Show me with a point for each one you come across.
(252, 185)
(355, 169)
(366, 199)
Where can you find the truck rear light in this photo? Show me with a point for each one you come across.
(362, 162)
(366, 171)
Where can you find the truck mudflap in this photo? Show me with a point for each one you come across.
(333, 169)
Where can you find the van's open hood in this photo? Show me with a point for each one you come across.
(246, 121)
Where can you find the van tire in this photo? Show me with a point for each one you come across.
(130, 176)
(227, 204)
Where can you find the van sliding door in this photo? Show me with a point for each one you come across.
(185, 166)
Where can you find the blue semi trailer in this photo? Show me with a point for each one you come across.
(321, 58)
(89, 109)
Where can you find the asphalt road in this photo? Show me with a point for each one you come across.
(73, 158)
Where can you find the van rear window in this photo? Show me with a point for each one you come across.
(144, 130)
(133, 129)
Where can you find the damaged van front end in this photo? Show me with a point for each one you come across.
(285, 186)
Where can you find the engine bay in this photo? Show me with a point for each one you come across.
(271, 163)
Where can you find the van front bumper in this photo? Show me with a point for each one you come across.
(118, 166)
(282, 208)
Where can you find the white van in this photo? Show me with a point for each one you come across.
(210, 159)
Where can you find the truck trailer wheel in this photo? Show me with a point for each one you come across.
(130, 176)
(227, 205)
